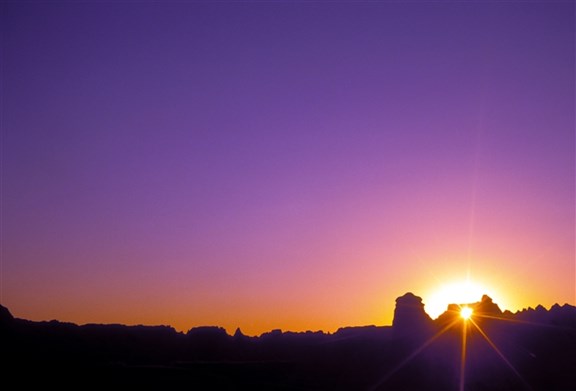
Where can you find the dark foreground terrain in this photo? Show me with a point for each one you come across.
(534, 349)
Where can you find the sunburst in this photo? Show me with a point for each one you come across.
(466, 312)
(466, 319)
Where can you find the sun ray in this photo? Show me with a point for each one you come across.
(463, 354)
(388, 375)
(473, 200)
(508, 363)
(480, 315)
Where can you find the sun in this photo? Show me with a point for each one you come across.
(466, 313)
(462, 292)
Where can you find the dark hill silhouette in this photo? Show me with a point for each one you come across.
(534, 349)
(5, 316)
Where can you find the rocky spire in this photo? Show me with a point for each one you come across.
(487, 306)
(409, 315)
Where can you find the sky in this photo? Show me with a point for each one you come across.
(292, 165)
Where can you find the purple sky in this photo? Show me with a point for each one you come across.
(292, 165)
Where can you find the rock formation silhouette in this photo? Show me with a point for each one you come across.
(536, 350)
(410, 319)
(486, 307)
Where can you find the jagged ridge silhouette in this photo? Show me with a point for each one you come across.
(531, 349)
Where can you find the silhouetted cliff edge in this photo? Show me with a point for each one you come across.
(531, 349)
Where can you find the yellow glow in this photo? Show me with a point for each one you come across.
(463, 292)
(466, 313)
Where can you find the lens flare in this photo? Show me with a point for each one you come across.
(466, 313)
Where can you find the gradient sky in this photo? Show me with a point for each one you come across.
(283, 165)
